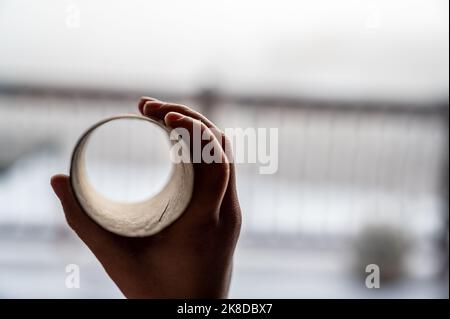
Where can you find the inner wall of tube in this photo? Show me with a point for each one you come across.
(128, 160)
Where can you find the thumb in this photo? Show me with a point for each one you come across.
(93, 235)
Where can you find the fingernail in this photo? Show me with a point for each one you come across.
(173, 117)
(149, 98)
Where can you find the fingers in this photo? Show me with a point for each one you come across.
(159, 109)
(94, 236)
(155, 108)
(143, 100)
(211, 177)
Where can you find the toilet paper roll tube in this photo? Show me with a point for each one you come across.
(138, 219)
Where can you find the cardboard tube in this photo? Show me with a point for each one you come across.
(138, 219)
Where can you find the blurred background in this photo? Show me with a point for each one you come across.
(357, 89)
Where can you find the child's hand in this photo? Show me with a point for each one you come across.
(192, 258)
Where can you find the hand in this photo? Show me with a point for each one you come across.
(192, 258)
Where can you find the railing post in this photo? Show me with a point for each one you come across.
(208, 99)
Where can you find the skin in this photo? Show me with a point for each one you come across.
(192, 258)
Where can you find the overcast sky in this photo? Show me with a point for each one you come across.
(325, 48)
